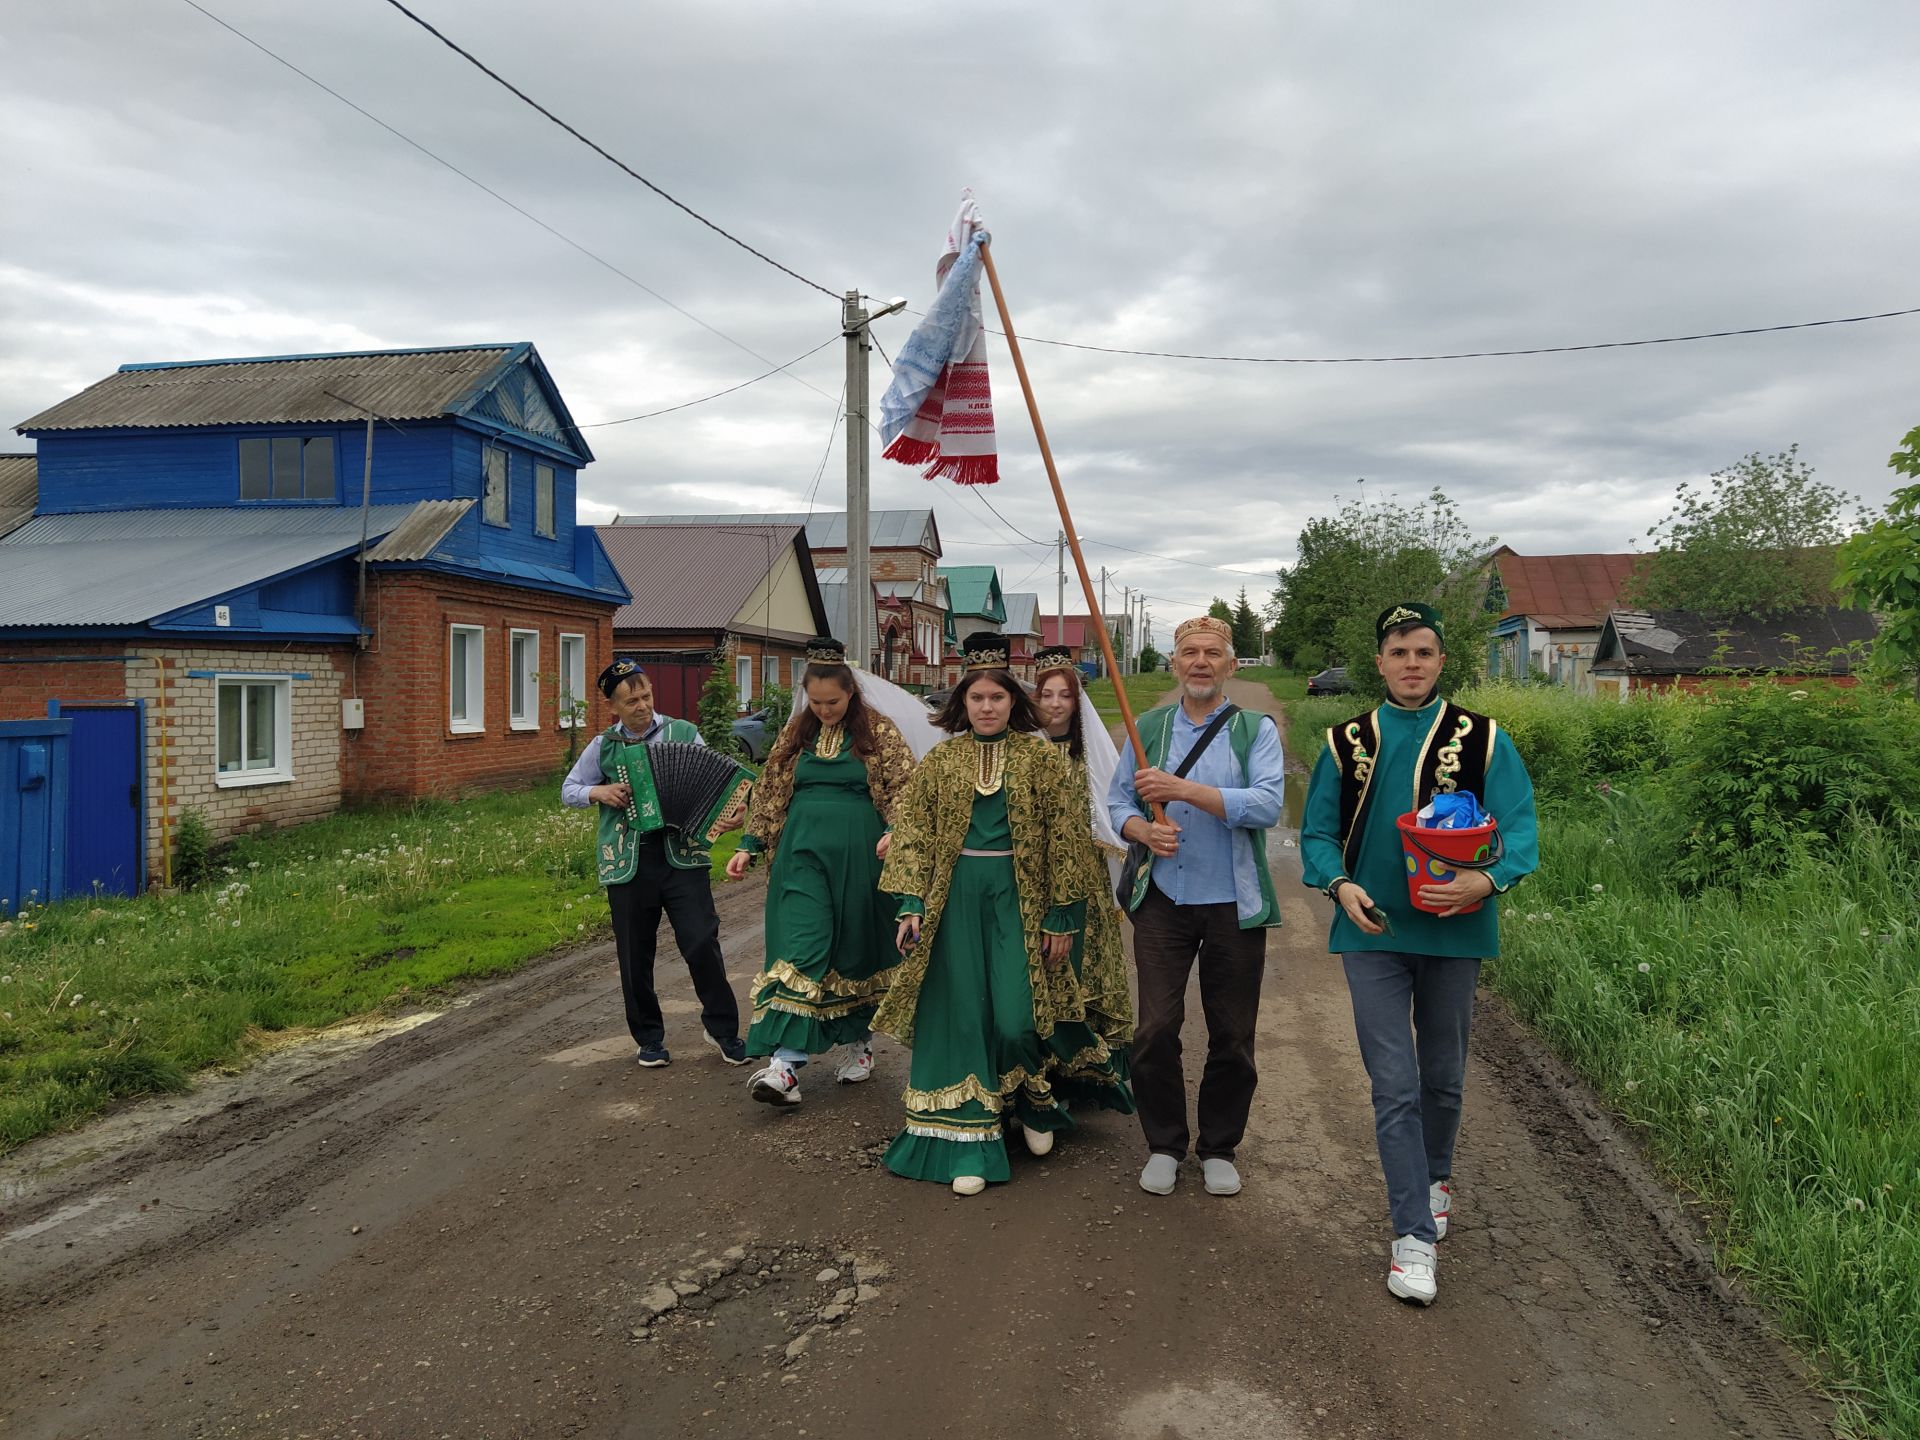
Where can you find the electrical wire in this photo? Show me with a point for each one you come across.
(689, 404)
(518, 209)
(602, 151)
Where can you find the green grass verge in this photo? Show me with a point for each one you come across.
(104, 1000)
(1287, 687)
(1143, 693)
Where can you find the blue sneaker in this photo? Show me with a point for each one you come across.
(652, 1057)
(733, 1049)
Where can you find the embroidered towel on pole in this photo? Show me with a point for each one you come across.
(938, 411)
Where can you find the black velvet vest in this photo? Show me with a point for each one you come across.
(1454, 755)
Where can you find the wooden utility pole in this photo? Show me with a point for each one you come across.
(860, 618)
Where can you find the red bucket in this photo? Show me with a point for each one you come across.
(1435, 856)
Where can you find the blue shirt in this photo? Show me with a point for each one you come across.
(585, 773)
(1209, 868)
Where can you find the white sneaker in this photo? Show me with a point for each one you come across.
(1039, 1142)
(1411, 1276)
(775, 1085)
(857, 1066)
(969, 1184)
(1440, 1202)
(1160, 1174)
(1220, 1176)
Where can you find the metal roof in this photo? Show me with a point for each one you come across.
(396, 384)
(826, 529)
(126, 567)
(19, 490)
(696, 577)
(417, 536)
(976, 591)
(1023, 613)
(1563, 592)
(1821, 640)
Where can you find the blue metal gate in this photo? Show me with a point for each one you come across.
(33, 811)
(106, 799)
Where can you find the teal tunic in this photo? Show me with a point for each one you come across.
(1382, 869)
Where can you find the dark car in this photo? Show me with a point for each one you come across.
(755, 733)
(1331, 681)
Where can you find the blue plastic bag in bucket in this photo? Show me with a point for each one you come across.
(1452, 833)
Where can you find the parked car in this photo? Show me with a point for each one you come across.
(755, 733)
(1331, 681)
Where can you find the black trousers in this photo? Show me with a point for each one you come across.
(687, 898)
(1167, 940)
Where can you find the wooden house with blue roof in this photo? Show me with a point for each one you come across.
(259, 587)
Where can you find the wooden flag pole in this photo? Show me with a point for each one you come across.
(1066, 519)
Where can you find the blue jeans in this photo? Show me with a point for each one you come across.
(1417, 1070)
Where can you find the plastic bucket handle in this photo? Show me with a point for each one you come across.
(1411, 834)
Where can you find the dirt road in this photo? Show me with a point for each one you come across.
(465, 1228)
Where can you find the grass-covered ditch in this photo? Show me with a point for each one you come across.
(1724, 937)
(110, 998)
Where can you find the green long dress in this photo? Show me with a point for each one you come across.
(1100, 965)
(829, 927)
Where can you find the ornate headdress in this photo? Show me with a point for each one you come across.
(985, 650)
(1212, 623)
(1409, 612)
(1054, 657)
(619, 670)
(825, 650)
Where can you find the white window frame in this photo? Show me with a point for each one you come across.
(475, 720)
(743, 679)
(573, 677)
(527, 673)
(281, 771)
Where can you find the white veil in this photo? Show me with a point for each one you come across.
(906, 710)
(1103, 758)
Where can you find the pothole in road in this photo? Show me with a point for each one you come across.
(1223, 1410)
(765, 1302)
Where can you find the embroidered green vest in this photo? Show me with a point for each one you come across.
(1454, 755)
(1156, 733)
(622, 830)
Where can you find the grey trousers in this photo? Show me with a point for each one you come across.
(1417, 1069)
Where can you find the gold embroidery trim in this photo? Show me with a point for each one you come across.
(830, 741)
(1446, 777)
(783, 974)
(939, 1130)
(807, 1010)
(992, 768)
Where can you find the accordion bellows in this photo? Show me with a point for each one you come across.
(686, 787)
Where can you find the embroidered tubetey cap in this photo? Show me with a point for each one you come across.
(1212, 623)
(1409, 612)
(619, 670)
(1054, 657)
(985, 650)
(825, 650)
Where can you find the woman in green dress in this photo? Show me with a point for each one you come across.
(1099, 958)
(983, 862)
(821, 809)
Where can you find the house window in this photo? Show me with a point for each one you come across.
(772, 666)
(573, 679)
(743, 678)
(253, 719)
(523, 679)
(466, 679)
(493, 499)
(286, 467)
(543, 500)
(799, 673)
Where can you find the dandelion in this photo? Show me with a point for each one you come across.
(6, 979)
(341, 888)
(1644, 968)
(1632, 1085)
(253, 865)
(1856, 1204)
(580, 926)
(1701, 1112)
(1597, 889)
(236, 924)
(1796, 694)
(100, 940)
(1866, 934)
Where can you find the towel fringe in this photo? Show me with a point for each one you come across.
(966, 469)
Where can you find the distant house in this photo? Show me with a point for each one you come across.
(1552, 608)
(1660, 649)
(904, 557)
(184, 580)
(1082, 636)
(748, 591)
(1022, 630)
(974, 603)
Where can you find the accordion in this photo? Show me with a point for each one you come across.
(681, 786)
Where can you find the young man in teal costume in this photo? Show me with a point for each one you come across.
(1419, 965)
(648, 874)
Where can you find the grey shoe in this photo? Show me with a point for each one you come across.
(1221, 1177)
(1160, 1174)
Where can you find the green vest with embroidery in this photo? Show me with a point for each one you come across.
(1156, 733)
(623, 828)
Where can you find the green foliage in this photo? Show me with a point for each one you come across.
(1150, 659)
(192, 849)
(1880, 568)
(1220, 610)
(779, 700)
(1248, 633)
(1356, 563)
(1756, 540)
(720, 705)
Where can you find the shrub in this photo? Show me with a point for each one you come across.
(192, 849)
(719, 704)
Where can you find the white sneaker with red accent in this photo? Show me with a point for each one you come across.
(1411, 1276)
(858, 1065)
(1440, 1202)
(775, 1085)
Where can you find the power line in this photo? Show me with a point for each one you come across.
(1467, 354)
(689, 404)
(602, 151)
(518, 209)
(1154, 554)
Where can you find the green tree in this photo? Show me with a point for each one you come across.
(1757, 539)
(1220, 610)
(719, 704)
(1247, 630)
(1880, 568)
(1150, 659)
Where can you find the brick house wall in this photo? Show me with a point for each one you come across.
(408, 747)
(903, 563)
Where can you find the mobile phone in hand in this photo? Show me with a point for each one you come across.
(1379, 917)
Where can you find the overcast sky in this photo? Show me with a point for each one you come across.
(1249, 178)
